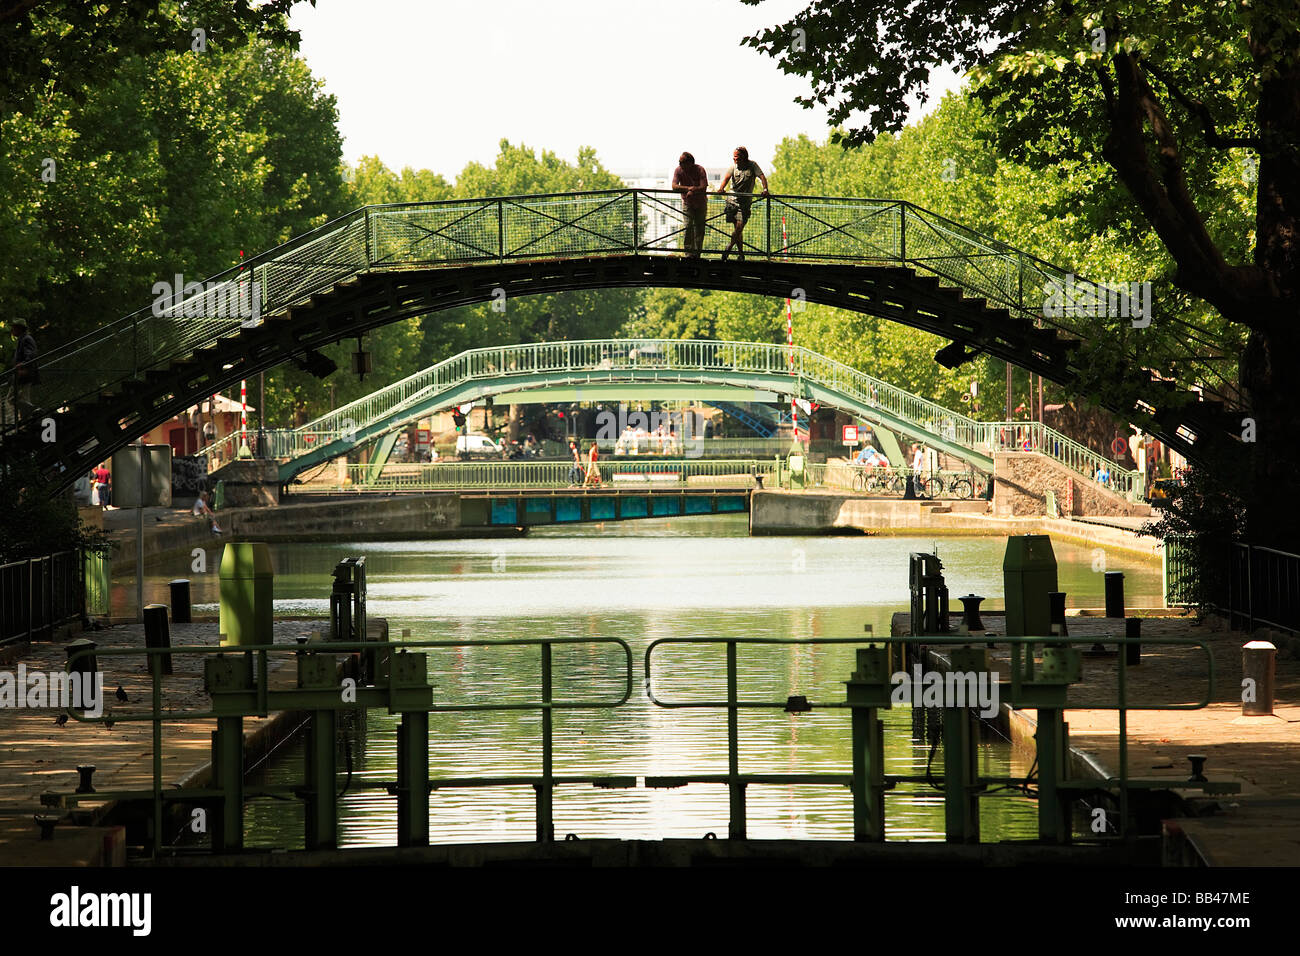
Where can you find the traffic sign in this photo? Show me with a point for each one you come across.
(850, 434)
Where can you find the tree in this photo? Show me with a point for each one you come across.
(70, 48)
(1166, 93)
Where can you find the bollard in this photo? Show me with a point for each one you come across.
(1114, 593)
(1259, 665)
(180, 594)
(87, 667)
(1133, 652)
(157, 634)
(971, 609)
(86, 771)
(1056, 613)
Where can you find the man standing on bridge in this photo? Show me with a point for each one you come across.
(741, 176)
(692, 182)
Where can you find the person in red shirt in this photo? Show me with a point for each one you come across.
(103, 487)
(593, 470)
(692, 182)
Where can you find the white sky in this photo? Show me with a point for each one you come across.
(435, 85)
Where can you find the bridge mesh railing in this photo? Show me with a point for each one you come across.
(456, 232)
(624, 359)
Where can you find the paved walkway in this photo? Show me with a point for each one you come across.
(37, 755)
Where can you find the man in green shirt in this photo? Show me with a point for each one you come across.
(741, 176)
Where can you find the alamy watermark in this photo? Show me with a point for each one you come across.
(232, 299)
(58, 690)
(75, 909)
(664, 433)
(951, 689)
(1080, 298)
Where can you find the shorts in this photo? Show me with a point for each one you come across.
(738, 212)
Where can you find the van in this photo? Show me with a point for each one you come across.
(477, 446)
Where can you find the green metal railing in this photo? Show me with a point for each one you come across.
(870, 689)
(391, 677)
(394, 238)
(556, 474)
(402, 690)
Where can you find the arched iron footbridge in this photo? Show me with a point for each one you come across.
(382, 264)
(605, 370)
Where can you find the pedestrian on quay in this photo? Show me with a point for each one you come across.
(103, 486)
(741, 177)
(593, 469)
(575, 469)
(692, 181)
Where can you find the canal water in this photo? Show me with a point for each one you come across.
(641, 581)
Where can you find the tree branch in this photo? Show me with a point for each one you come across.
(1209, 129)
(1165, 200)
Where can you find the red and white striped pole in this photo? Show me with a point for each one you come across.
(243, 415)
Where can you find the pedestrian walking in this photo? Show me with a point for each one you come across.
(692, 181)
(103, 488)
(575, 469)
(593, 469)
(24, 369)
(741, 177)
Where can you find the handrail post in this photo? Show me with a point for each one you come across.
(636, 222)
(369, 249)
(768, 224)
(501, 231)
(902, 234)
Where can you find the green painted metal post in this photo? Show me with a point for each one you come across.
(228, 777)
(546, 787)
(413, 779)
(1053, 803)
(247, 588)
(868, 689)
(735, 786)
(960, 756)
(868, 776)
(227, 678)
(321, 803)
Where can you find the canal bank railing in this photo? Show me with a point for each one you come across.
(1254, 586)
(39, 594)
(615, 472)
(1263, 587)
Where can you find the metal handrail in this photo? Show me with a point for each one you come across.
(566, 225)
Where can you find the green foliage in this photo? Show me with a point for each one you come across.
(39, 522)
(1205, 512)
(175, 164)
